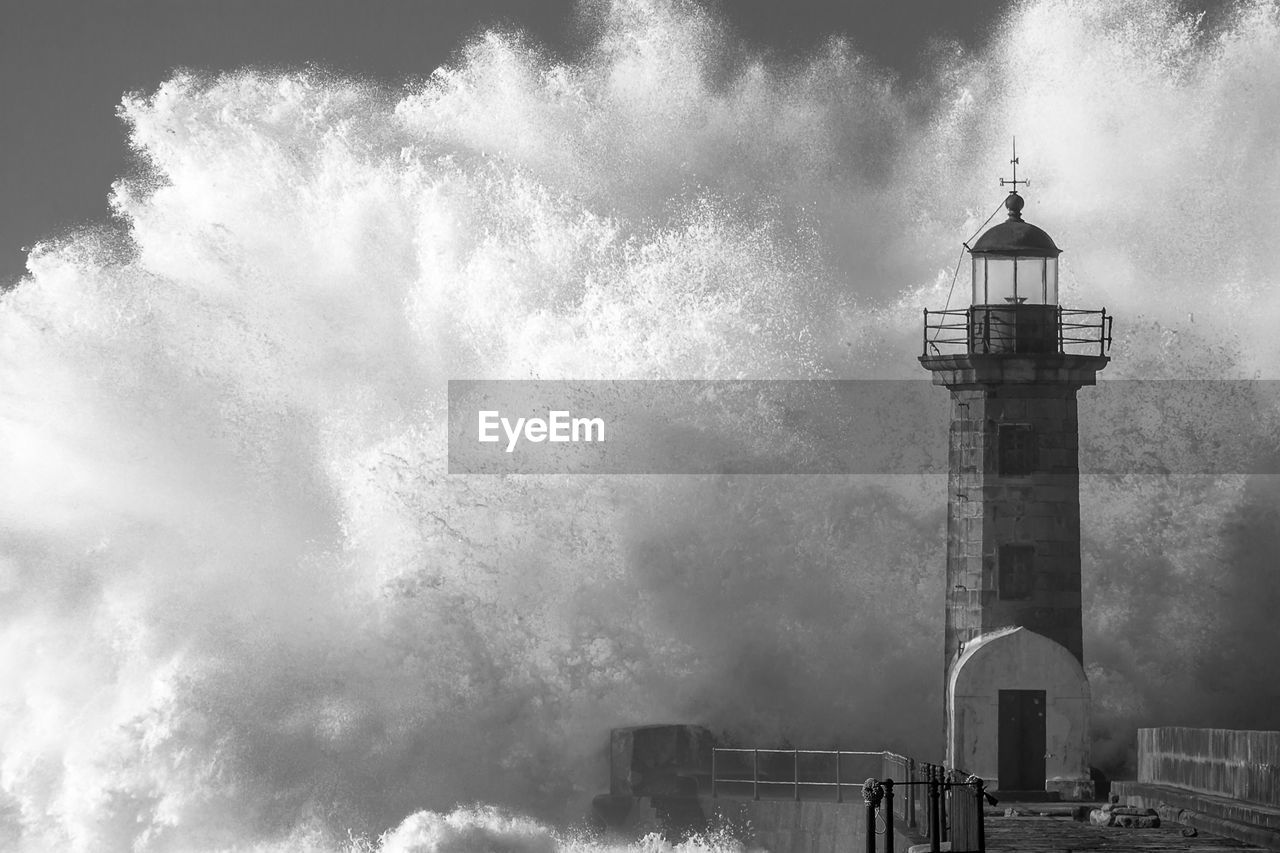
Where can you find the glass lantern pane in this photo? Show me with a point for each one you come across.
(1031, 283)
(1051, 281)
(979, 281)
(1000, 281)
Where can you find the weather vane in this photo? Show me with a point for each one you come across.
(1014, 183)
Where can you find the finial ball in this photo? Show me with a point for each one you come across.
(1014, 203)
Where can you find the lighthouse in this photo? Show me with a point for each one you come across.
(1016, 695)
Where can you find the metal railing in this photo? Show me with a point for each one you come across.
(929, 801)
(914, 808)
(996, 329)
(966, 796)
(764, 776)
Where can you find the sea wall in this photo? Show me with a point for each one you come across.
(1242, 765)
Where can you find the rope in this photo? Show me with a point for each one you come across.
(956, 275)
(873, 797)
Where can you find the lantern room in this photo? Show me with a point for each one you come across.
(1015, 263)
(1015, 287)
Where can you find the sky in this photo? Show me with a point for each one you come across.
(64, 67)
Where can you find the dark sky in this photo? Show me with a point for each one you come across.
(64, 66)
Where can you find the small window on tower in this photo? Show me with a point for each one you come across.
(1017, 572)
(1017, 452)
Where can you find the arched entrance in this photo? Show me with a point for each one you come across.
(1018, 714)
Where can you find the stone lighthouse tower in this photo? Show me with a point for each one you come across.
(1017, 700)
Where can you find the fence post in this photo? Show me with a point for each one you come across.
(795, 772)
(755, 774)
(887, 811)
(713, 772)
(871, 793)
(944, 791)
(839, 790)
(979, 790)
(909, 804)
(935, 816)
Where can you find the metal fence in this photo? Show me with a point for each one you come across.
(913, 806)
(966, 800)
(928, 801)
(947, 792)
(773, 773)
(983, 329)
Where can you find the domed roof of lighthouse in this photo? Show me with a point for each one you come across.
(1014, 237)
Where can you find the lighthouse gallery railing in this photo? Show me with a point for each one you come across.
(1081, 332)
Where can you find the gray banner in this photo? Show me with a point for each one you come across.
(835, 427)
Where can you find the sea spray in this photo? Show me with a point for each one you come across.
(243, 601)
(490, 829)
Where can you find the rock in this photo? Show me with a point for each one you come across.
(1125, 816)
(1132, 811)
(1125, 810)
(1137, 821)
(1189, 832)
(1012, 813)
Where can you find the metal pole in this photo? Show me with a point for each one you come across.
(935, 819)
(713, 773)
(887, 810)
(755, 774)
(943, 791)
(795, 772)
(909, 804)
(871, 797)
(839, 790)
(981, 794)
(871, 828)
